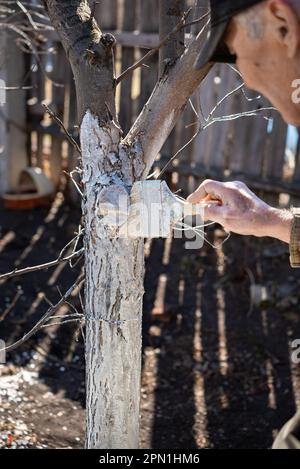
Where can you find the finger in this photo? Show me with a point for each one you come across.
(215, 213)
(212, 199)
(208, 187)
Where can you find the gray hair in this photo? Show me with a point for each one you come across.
(252, 19)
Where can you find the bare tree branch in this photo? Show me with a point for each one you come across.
(63, 127)
(44, 318)
(23, 38)
(90, 54)
(141, 62)
(28, 14)
(166, 103)
(12, 305)
(210, 120)
(48, 265)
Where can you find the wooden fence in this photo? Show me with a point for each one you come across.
(253, 148)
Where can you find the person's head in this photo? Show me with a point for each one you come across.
(266, 41)
(263, 38)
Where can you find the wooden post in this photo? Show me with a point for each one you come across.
(58, 92)
(13, 132)
(73, 155)
(3, 127)
(126, 104)
(148, 24)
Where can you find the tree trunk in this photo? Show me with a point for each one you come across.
(114, 292)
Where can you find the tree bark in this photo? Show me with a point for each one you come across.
(114, 292)
(90, 53)
(170, 13)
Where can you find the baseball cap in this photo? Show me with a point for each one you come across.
(214, 49)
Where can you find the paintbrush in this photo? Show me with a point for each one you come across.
(154, 210)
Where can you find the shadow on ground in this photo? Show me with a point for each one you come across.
(217, 371)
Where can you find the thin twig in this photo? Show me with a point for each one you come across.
(232, 117)
(12, 305)
(227, 95)
(70, 175)
(44, 318)
(75, 240)
(28, 270)
(181, 24)
(209, 120)
(17, 88)
(81, 231)
(178, 152)
(63, 127)
(27, 13)
(61, 323)
(64, 316)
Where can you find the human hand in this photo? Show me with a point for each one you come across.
(240, 211)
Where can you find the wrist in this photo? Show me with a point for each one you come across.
(279, 224)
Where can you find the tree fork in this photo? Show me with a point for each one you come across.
(114, 267)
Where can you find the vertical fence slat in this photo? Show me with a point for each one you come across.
(256, 141)
(37, 110)
(275, 155)
(250, 136)
(148, 24)
(242, 134)
(220, 130)
(126, 105)
(106, 13)
(13, 157)
(276, 146)
(58, 94)
(73, 155)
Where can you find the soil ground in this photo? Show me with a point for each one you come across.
(217, 368)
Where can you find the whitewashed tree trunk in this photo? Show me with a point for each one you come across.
(114, 292)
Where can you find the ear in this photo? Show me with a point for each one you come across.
(285, 23)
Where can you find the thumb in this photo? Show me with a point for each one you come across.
(208, 190)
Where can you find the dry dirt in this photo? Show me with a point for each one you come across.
(217, 371)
